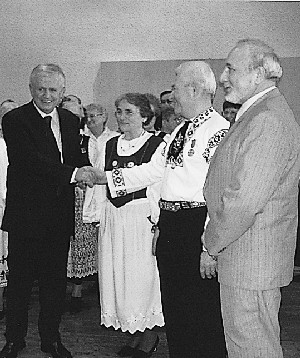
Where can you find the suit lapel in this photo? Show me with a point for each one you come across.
(42, 132)
(65, 125)
(273, 93)
(242, 121)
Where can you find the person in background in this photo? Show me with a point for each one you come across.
(128, 276)
(154, 125)
(82, 258)
(166, 98)
(83, 254)
(169, 120)
(8, 105)
(73, 104)
(3, 234)
(251, 192)
(191, 305)
(44, 161)
(99, 133)
(230, 110)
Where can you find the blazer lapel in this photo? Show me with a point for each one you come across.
(42, 131)
(273, 93)
(241, 121)
(65, 125)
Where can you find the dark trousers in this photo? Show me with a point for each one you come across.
(44, 259)
(191, 305)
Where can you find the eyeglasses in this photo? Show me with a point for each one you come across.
(127, 113)
(94, 115)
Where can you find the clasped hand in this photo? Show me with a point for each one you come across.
(90, 176)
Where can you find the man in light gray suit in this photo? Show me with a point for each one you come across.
(251, 192)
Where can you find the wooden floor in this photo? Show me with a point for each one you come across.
(82, 334)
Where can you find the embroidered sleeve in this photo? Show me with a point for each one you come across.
(118, 182)
(212, 143)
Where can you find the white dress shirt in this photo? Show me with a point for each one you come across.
(246, 105)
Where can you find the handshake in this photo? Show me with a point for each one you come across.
(90, 176)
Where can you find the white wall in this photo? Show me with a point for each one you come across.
(80, 34)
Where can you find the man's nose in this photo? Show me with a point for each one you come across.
(223, 77)
(123, 116)
(46, 93)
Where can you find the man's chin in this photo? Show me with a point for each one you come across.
(45, 108)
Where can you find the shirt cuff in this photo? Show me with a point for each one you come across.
(73, 176)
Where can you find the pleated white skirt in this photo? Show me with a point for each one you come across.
(128, 274)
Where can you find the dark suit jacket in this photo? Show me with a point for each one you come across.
(251, 191)
(40, 198)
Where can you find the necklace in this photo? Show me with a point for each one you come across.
(127, 145)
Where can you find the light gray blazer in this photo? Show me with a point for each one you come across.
(251, 192)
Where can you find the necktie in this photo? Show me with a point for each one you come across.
(177, 145)
(48, 121)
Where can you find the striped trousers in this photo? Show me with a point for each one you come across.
(251, 323)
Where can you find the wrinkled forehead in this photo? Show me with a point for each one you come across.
(52, 78)
(239, 57)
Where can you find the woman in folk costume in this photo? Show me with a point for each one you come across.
(128, 274)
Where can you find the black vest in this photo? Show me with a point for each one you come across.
(114, 161)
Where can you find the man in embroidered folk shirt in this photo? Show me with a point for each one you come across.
(191, 304)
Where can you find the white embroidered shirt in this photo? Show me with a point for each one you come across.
(182, 179)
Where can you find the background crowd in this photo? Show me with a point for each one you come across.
(182, 214)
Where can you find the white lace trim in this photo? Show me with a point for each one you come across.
(134, 323)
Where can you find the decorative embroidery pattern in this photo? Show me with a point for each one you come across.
(213, 142)
(118, 181)
(197, 121)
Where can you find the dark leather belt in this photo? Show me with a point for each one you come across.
(179, 205)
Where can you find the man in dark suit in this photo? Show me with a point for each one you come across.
(44, 155)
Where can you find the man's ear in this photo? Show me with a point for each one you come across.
(194, 90)
(260, 74)
(63, 92)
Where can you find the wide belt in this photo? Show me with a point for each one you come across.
(179, 205)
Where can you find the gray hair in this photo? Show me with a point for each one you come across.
(48, 68)
(7, 106)
(97, 107)
(262, 55)
(199, 73)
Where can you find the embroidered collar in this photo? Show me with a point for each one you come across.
(179, 142)
(203, 116)
(198, 120)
